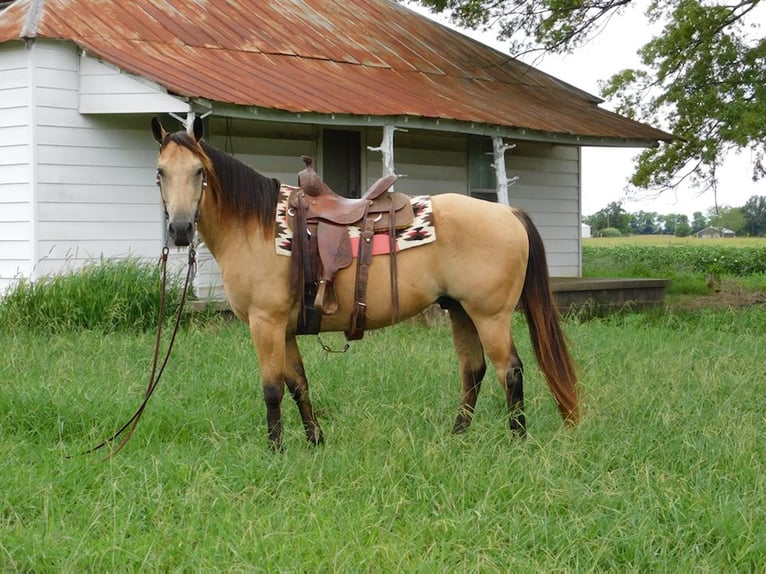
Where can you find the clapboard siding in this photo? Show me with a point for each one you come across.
(548, 188)
(104, 89)
(431, 163)
(95, 174)
(16, 206)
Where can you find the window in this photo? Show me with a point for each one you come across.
(482, 182)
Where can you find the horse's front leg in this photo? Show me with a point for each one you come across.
(269, 340)
(299, 389)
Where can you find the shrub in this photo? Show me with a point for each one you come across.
(105, 295)
(610, 232)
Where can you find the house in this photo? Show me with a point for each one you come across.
(80, 81)
(715, 233)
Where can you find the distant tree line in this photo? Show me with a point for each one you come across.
(747, 220)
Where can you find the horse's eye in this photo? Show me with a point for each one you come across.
(200, 171)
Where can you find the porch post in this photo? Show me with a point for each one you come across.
(386, 148)
(498, 151)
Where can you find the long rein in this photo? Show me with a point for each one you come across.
(154, 377)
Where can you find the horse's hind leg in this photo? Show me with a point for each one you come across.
(495, 334)
(470, 356)
(297, 383)
(514, 394)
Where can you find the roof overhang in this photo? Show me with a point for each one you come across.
(412, 122)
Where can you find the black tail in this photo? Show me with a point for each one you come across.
(547, 337)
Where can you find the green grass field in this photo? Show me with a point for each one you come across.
(667, 472)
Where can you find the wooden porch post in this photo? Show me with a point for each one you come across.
(498, 150)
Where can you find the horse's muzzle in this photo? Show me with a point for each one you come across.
(181, 232)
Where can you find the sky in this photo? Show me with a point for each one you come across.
(606, 171)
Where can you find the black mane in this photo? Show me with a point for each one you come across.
(244, 192)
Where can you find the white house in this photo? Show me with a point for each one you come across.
(80, 81)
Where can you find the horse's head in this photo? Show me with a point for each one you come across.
(182, 174)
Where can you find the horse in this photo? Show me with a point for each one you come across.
(487, 259)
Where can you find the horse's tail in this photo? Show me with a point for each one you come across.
(545, 331)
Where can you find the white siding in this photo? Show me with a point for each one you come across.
(548, 189)
(16, 213)
(95, 174)
(104, 89)
(431, 162)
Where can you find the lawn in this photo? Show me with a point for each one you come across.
(667, 471)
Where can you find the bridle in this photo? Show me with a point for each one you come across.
(155, 375)
(158, 181)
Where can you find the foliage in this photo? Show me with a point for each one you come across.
(610, 232)
(749, 219)
(105, 295)
(729, 217)
(613, 215)
(666, 260)
(754, 212)
(667, 472)
(703, 77)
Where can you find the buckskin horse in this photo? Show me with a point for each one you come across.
(486, 259)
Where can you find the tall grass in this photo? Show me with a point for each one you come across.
(667, 472)
(104, 295)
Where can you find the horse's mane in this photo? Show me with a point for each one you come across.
(238, 190)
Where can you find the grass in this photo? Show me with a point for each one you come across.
(690, 263)
(666, 473)
(106, 295)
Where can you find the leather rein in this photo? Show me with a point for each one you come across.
(154, 377)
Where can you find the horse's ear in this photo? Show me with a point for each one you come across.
(157, 130)
(197, 129)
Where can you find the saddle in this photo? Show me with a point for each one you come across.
(320, 220)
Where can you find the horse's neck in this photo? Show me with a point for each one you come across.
(232, 239)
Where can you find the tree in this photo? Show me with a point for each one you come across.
(675, 224)
(613, 215)
(729, 217)
(644, 223)
(699, 222)
(754, 211)
(703, 78)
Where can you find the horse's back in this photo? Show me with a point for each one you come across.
(479, 258)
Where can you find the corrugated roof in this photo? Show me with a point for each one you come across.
(366, 57)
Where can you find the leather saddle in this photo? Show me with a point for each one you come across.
(320, 220)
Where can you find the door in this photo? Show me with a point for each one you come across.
(342, 161)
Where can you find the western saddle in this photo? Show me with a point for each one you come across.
(320, 220)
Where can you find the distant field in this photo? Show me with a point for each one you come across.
(689, 262)
(662, 240)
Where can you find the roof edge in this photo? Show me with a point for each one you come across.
(32, 20)
(417, 122)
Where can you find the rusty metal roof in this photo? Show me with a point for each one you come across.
(366, 57)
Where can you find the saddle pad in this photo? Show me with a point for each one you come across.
(421, 232)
